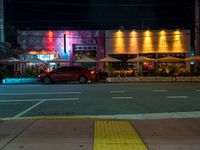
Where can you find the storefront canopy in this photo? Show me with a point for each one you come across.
(10, 60)
(58, 60)
(193, 58)
(34, 60)
(170, 59)
(141, 59)
(109, 59)
(86, 60)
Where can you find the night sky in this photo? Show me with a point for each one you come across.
(100, 14)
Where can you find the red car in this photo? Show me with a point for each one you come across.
(67, 73)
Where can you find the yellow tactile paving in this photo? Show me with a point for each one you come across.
(116, 135)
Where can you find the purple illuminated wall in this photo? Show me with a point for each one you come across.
(54, 41)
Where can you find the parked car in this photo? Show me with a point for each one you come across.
(67, 73)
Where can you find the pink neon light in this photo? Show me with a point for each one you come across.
(50, 41)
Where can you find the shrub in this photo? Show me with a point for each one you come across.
(30, 72)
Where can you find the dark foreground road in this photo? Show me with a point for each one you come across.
(122, 100)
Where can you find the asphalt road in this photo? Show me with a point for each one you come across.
(98, 99)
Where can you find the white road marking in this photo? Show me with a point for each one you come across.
(197, 90)
(122, 97)
(2, 94)
(159, 90)
(165, 115)
(28, 109)
(177, 97)
(117, 91)
(54, 99)
(149, 116)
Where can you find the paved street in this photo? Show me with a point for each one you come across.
(125, 100)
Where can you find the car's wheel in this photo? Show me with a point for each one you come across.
(47, 80)
(82, 79)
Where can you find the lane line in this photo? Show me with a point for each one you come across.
(197, 90)
(122, 97)
(27, 100)
(117, 91)
(8, 94)
(28, 109)
(159, 90)
(177, 97)
(116, 135)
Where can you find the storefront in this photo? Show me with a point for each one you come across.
(72, 45)
(69, 45)
(129, 44)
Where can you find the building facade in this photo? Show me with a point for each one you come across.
(69, 45)
(128, 44)
(97, 44)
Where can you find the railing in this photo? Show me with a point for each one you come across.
(154, 79)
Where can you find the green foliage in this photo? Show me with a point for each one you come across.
(30, 72)
(109, 69)
(173, 70)
(6, 72)
(11, 35)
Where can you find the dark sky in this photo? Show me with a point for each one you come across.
(100, 14)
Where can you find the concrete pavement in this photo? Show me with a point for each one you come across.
(71, 134)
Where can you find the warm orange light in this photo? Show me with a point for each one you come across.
(177, 41)
(147, 42)
(162, 32)
(50, 34)
(163, 46)
(119, 42)
(177, 32)
(148, 33)
(134, 42)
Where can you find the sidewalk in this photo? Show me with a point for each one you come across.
(61, 134)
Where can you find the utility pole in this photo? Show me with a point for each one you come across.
(197, 51)
(1, 21)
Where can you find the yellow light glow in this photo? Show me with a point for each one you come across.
(163, 46)
(119, 42)
(147, 42)
(177, 41)
(148, 33)
(162, 33)
(134, 41)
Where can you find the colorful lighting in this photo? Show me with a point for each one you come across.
(162, 33)
(119, 42)
(177, 42)
(147, 33)
(134, 41)
(50, 34)
(163, 46)
(147, 42)
(50, 41)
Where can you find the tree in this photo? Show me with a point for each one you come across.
(10, 47)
